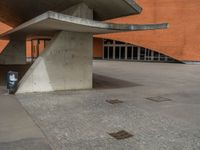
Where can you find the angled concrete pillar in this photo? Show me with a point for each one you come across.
(14, 53)
(66, 62)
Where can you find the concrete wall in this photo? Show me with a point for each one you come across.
(181, 41)
(66, 63)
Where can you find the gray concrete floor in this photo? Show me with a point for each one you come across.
(17, 130)
(81, 120)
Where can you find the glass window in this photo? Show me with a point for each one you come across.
(156, 56)
(148, 54)
(110, 52)
(105, 52)
(117, 52)
(135, 53)
(142, 53)
(122, 52)
(129, 52)
(162, 57)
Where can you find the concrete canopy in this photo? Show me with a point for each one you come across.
(15, 12)
(66, 62)
(51, 22)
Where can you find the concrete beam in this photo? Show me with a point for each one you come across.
(66, 64)
(50, 23)
(14, 53)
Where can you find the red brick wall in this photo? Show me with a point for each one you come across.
(3, 28)
(97, 48)
(181, 41)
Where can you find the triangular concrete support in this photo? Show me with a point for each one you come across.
(65, 64)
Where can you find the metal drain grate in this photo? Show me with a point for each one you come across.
(159, 99)
(121, 135)
(114, 101)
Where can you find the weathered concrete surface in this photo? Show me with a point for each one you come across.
(13, 13)
(51, 22)
(80, 10)
(82, 119)
(66, 63)
(17, 130)
(14, 53)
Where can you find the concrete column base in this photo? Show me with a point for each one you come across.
(14, 53)
(65, 64)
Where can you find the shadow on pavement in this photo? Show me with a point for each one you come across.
(105, 82)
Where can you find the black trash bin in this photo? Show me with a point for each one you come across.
(12, 81)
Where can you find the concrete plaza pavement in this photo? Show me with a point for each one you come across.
(82, 120)
(17, 130)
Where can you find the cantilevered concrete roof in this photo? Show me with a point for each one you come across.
(15, 12)
(50, 22)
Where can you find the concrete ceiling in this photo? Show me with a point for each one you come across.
(15, 12)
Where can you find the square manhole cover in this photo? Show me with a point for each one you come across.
(114, 101)
(121, 135)
(158, 99)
